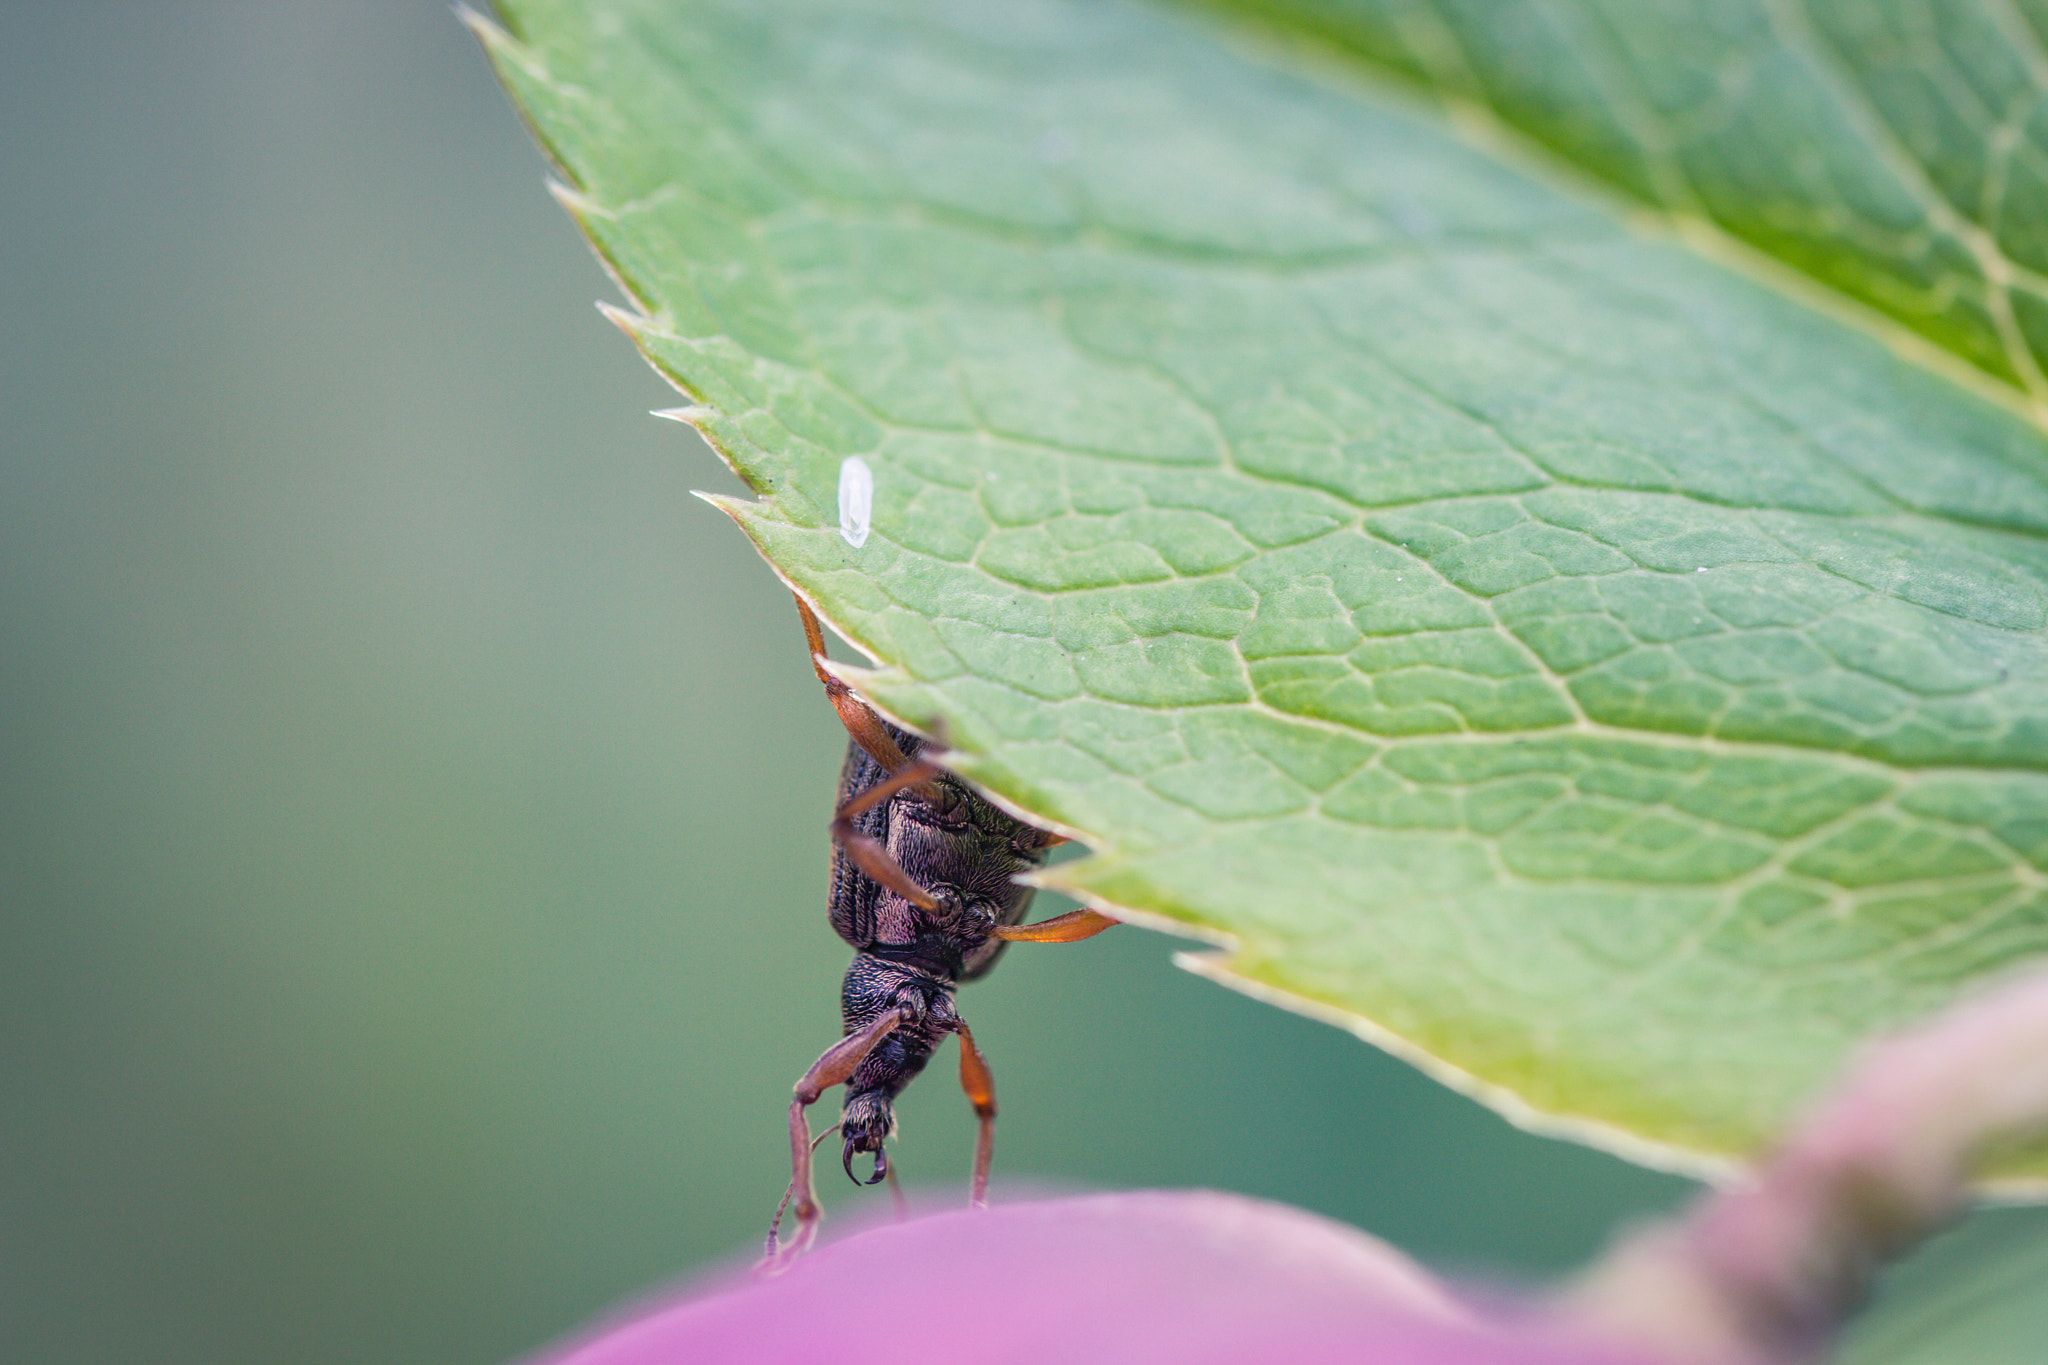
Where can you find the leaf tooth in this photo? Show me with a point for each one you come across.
(697, 418)
(579, 205)
(500, 45)
(634, 323)
(487, 30)
(726, 503)
(691, 415)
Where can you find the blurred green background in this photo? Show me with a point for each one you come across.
(414, 848)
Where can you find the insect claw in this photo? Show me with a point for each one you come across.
(875, 1177)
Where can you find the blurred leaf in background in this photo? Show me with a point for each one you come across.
(1972, 1297)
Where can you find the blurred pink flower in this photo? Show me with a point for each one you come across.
(1158, 1276)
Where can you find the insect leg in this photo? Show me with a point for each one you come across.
(832, 1068)
(867, 851)
(980, 1085)
(860, 721)
(1071, 927)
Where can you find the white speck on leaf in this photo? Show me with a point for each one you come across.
(856, 499)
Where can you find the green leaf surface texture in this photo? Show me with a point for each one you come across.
(1584, 667)
(1896, 150)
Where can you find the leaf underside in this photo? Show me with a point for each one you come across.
(1599, 675)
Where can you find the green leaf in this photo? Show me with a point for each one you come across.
(1973, 1295)
(1895, 151)
(1598, 675)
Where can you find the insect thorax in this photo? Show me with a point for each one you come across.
(875, 985)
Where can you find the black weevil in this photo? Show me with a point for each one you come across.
(924, 888)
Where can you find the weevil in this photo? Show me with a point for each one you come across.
(925, 889)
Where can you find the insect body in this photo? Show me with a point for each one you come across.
(924, 889)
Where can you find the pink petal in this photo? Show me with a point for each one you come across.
(1156, 1276)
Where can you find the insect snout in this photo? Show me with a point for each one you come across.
(865, 1125)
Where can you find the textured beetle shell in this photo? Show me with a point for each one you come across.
(980, 860)
(903, 956)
